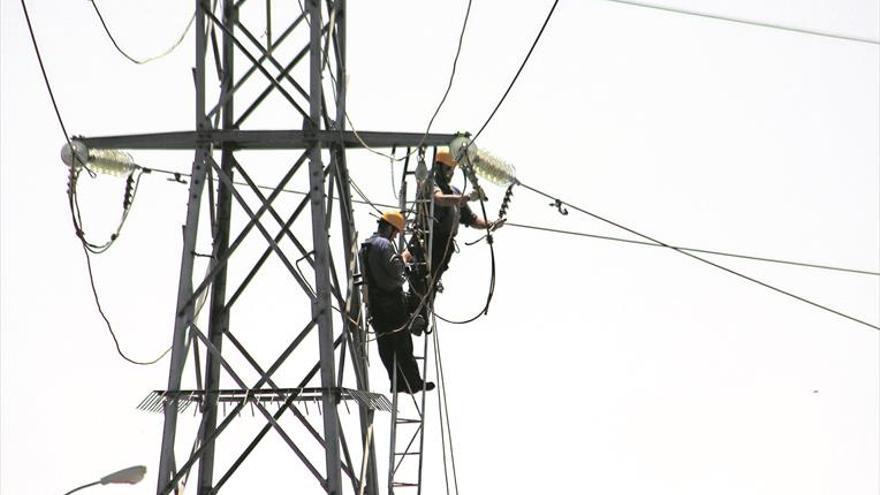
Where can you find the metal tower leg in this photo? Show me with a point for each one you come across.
(184, 308)
(321, 303)
(219, 317)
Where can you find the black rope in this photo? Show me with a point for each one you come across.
(708, 262)
(74, 207)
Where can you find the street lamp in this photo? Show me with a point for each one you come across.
(129, 476)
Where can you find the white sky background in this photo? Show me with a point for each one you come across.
(601, 367)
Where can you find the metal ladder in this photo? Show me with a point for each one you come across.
(407, 454)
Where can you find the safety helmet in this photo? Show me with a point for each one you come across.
(445, 158)
(395, 219)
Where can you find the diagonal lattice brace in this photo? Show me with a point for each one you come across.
(273, 80)
(262, 433)
(195, 456)
(267, 56)
(262, 96)
(255, 218)
(266, 253)
(296, 412)
(281, 432)
(228, 95)
(221, 261)
(285, 229)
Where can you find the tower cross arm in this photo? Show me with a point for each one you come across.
(263, 139)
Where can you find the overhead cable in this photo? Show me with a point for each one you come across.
(694, 250)
(82, 240)
(703, 260)
(43, 70)
(467, 15)
(148, 59)
(376, 205)
(739, 20)
(436, 111)
(516, 76)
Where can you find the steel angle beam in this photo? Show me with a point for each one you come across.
(264, 140)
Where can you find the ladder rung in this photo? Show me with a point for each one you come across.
(407, 453)
(406, 421)
(418, 357)
(401, 484)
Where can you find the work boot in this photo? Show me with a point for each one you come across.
(418, 325)
(401, 388)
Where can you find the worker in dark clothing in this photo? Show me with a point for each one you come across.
(450, 209)
(391, 309)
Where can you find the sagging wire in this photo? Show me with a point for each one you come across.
(470, 175)
(436, 111)
(148, 59)
(71, 196)
(88, 247)
(557, 201)
(518, 72)
(132, 182)
(465, 153)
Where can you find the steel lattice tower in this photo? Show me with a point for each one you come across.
(322, 141)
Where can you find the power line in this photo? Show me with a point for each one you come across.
(107, 321)
(72, 201)
(376, 206)
(148, 59)
(516, 76)
(43, 70)
(695, 250)
(467, 15)
(178, 175)
(704, 260)
(739, 20)
(436, 111)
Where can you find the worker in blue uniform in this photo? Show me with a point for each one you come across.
(450, 209)
(391, 309)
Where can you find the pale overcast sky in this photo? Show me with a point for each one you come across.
(601, 367)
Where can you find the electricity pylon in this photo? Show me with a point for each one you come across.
(323, 141)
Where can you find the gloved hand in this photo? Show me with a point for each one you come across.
(476, 195)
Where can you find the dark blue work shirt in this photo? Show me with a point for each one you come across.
(384, 265)
(447, 218)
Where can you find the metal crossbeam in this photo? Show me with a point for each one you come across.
(265, 140)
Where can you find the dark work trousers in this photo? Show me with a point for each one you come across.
(390, 311)
(441, 252)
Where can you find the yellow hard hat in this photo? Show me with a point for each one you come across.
(395, 219)
(445, 158)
